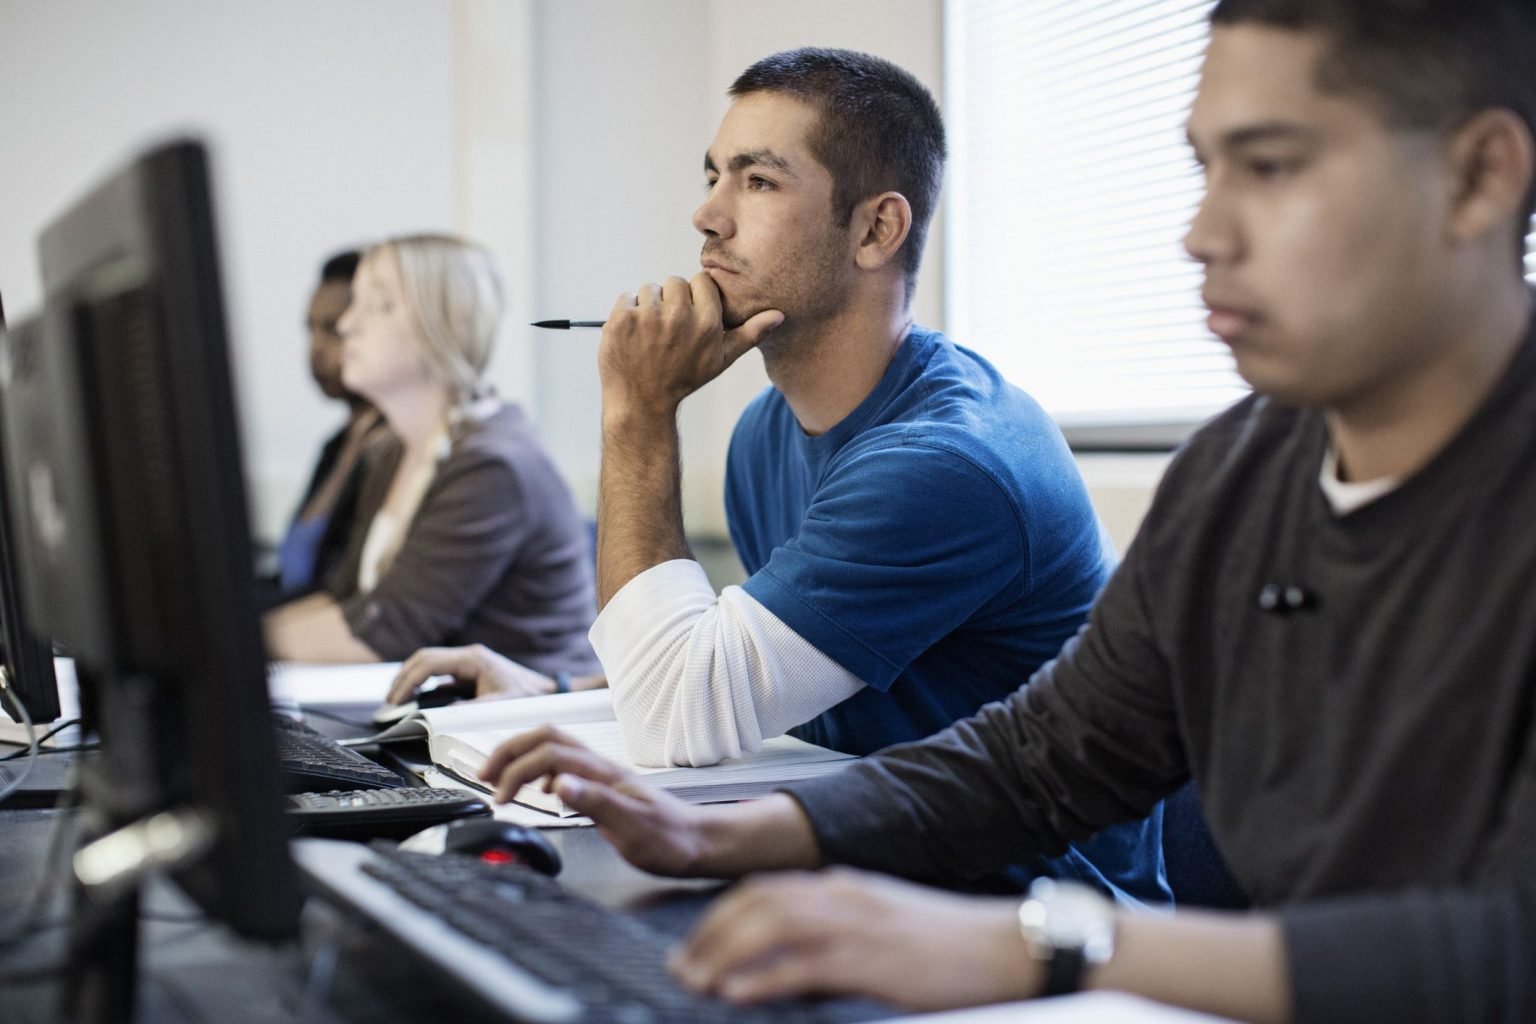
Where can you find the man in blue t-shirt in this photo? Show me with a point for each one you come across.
(918, 537)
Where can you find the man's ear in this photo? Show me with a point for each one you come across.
(1492, 160)
(880, 224)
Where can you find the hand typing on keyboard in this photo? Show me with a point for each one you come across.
(852, 932)
(834, 932)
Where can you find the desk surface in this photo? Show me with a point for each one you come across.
(193, 970)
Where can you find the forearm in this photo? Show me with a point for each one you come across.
(639, 505)
(1231, 965)
(771, 834)
(698, 678)
(313, 629)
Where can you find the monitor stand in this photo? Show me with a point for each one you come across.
(122, 839)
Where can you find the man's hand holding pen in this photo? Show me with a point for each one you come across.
(666, 341)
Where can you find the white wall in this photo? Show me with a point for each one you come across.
(332, 123)
(1121, 487)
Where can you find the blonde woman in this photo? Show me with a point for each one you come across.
(466, 533)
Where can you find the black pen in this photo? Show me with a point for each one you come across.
(565, 325)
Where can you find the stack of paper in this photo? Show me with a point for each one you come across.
(357, 688)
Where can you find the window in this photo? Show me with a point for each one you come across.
(1070, 191)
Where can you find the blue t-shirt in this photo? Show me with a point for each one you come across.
(938, 543)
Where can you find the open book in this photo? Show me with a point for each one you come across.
(508, 716)
(460, 737)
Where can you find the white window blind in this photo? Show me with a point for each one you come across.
(1071, 188)
(1070, 192)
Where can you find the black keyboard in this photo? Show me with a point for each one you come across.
(521, 940)
(310, 761)
(378, 813)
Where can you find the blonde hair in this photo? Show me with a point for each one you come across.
(455, 299)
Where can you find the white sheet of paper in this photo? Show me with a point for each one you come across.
(1098, 1007)
(310, 685)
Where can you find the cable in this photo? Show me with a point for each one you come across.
(59, 727)
(53, 731)
(32, 740)
(50, 751)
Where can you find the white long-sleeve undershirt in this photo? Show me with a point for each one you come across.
(698, 678)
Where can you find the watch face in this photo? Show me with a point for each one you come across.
(1076, 916)
(1067, 916)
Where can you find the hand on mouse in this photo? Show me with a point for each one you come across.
(846, 932)
(477, 665)
(651, 829)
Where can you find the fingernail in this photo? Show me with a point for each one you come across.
(569, 788)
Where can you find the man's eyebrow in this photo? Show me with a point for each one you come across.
(752, 158)
(1261, 132)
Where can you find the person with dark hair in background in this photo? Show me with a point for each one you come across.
(317, 536)
(918, 536)
(1328, 619)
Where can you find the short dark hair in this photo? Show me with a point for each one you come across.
(878, 130)
(341, 267)
(1430, 64)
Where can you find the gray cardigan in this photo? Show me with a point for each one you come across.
(1366, 762)
(495, 554)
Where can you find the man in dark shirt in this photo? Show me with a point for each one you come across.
(1328, 621)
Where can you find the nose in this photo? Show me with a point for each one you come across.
(712, 218)
(344, 322)
(1213, 235)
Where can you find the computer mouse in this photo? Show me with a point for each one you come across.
(495, 842)
(438, 691)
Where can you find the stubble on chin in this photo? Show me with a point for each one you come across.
(734, 314)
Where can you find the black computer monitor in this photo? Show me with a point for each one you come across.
(129, 505)
(26, 659)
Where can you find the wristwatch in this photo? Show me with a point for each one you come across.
(1066, 926)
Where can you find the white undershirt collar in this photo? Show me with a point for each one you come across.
(1345, 497)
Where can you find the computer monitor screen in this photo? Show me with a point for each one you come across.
(26, 660)
(129, 509)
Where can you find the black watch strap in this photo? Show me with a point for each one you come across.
(1064, 972)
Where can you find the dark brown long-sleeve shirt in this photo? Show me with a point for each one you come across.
(495, 554)
(1366, 761)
